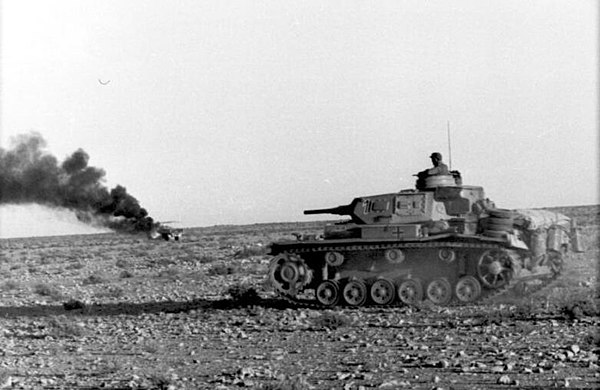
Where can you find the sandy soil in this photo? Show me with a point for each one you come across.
(122, 311)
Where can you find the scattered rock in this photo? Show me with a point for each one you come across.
(561, 356)
(342, 376)
(7, 383)
(193, 326)
(393, 384)
(504, 380)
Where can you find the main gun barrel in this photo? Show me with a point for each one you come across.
(340, 210)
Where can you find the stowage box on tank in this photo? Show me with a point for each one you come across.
(443, 241)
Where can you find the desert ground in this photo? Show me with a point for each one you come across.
(120, 311)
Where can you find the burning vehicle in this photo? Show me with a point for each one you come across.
(166, 232)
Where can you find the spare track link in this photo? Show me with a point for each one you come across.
(309, 303)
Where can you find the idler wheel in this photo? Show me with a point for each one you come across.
(494, 268)
(382, 292)
(334, 259)
(439, 291)
(467, 289)
(355, 293)
(394, 256)
(410, 291)
(328, 293)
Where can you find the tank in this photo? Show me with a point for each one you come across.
(442, 241)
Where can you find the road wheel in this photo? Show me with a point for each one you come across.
(467, 289)
(499, 224)
(382, 292)
(355, 293)
(502, 213)
(495, 234)
(439, 291)
(328, 293)
(494, 268)
(410, 291)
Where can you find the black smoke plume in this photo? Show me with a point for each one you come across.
(29, 174)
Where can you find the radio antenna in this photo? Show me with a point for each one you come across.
(449, 147)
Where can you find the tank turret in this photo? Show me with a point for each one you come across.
(458, 207)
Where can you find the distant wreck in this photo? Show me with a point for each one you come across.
(166, 232)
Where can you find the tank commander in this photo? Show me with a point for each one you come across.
(439, 168)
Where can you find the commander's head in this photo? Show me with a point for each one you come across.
(436, 158)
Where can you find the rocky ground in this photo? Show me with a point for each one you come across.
(122, 311)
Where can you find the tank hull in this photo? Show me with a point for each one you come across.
(445, 270)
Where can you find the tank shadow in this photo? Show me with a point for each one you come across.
(115, 309)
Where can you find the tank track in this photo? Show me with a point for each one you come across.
(487, 295)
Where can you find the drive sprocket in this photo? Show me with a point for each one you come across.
(289, 274)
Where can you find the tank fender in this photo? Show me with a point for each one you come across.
(516, 242)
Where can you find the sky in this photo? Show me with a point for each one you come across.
(238, 112)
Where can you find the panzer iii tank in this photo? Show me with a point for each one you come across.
(443, 241)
